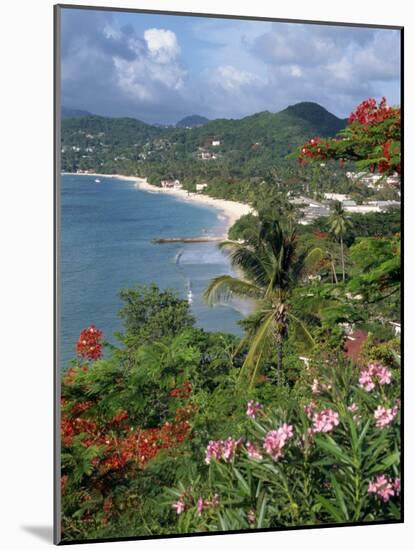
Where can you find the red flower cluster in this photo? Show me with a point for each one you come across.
(390, 149)
(370, 112)
(70, 427)
(183, 393)
(312, 148)
(89, 344)
(129, 446)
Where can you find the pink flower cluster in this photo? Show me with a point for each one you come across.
(384, 487)
(179, 506)
(384, 417)
(372, 375)
(275, 440)
(202, 504)
(324, 421)
(253, 451)
(318, 387)
(310, 409)
(221, 449)
(253, 409)
(186, 501)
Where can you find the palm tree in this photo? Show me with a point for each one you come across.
(339, 222)
(271, 269)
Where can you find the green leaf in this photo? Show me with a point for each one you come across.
(328, 444)
(261, 512)
(340, 496)
(242, 482)
(330, 508)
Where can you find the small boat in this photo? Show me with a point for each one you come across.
(97, 180)
(189, 293)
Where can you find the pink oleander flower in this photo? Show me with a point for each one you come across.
(253, 409)
(397, 485)
(275, 440)
(203, 504)
(253, 451)
(222, 449)
(372, 375)
(310, 409)
(325, 421)
(200, 505)
(384, 375)
(382, 486)
(384, 417)
(229, 448)
(353, 407)
(179, 506)
(214, 450)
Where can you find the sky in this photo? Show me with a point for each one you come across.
(161, 68)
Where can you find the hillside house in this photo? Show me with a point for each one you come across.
(206, 155)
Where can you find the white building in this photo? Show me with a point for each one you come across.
(215, 142)
(335, 197)
(201, 186)
(171, 184)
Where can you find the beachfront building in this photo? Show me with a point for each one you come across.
(171, 184)
(200, 187)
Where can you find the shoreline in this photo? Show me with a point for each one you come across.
(230, 211)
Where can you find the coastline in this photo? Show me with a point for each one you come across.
(230, 211)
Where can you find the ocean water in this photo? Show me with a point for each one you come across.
(106, 233)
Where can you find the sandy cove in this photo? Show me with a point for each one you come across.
(231, 211)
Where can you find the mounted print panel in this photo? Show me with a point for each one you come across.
(228, 274)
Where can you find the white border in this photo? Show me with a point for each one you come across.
(27, 281)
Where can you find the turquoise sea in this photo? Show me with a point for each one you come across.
(106, 233)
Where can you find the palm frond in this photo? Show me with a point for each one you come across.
(256, 348)
(301, 330)
(225, 287)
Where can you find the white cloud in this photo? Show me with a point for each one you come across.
(230, 78)
(296, 71)
(162, 45)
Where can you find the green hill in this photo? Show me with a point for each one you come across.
(228, 147)
(191, 121)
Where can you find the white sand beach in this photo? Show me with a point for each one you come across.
(230, 211)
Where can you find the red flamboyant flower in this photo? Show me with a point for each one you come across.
(369, 112)
(89, 344)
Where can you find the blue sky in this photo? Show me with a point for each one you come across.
(160, 68)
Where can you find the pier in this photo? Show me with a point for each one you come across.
(188, 240)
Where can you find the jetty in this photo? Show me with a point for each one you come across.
(164, 240)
